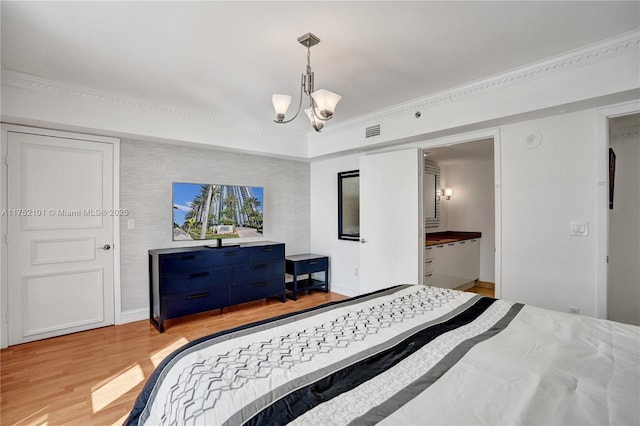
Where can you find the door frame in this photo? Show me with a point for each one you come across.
(493, 133)
(4, 284)
(602, 197)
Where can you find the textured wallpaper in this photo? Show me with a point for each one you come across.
(147, 171)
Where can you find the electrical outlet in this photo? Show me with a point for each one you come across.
(574, 310)
(131, 224)
(355, 272)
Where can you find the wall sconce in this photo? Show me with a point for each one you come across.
(445, 193)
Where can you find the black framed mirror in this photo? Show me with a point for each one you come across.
(349, 205)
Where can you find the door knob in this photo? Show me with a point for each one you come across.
(105, 247)
(362, 241)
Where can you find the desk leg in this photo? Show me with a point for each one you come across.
(326, 280)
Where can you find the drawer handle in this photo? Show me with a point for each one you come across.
(231, 253)
(198, 275)
(313, 262)
(429, 261)
(191, 257)
(463, 242)
(267, 249)
(429, 274)
(198, 296)
(259, 266)
(260, 284)
(451, 244)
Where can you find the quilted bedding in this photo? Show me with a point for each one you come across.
(405, 355)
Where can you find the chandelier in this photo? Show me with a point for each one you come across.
(322, 103)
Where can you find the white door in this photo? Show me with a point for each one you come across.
(60, 235)
(390, 219)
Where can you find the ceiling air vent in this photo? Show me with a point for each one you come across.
(372, 131)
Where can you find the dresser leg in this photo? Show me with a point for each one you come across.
(295, 287)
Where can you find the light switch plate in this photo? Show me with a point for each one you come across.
(578, 229)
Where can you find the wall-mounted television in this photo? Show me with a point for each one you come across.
(203, 211)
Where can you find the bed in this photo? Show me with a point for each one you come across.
(406, 355)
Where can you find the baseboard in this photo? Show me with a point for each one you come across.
(342, 290)
(485, 284)
(134, 315)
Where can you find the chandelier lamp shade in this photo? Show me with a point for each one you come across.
(322, 102)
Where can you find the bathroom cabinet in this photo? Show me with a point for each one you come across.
(452, 264)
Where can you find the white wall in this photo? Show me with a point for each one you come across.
(472, 208)
(623, 298)
(543, 189)
(344, 255)
(36, 101)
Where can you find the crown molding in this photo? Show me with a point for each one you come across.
(623, 44)
(22, 80)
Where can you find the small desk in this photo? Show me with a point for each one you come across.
(308, 263)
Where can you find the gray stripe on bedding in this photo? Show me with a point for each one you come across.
(380, 412)
(250, 330)
(288, 319)
(254, 407)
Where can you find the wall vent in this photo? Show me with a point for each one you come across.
(372, 131)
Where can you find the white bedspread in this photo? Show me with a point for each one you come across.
(408, 355)
(545, 368)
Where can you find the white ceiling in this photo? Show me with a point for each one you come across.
(225, 59)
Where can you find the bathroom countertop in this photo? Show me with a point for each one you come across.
(435, 238)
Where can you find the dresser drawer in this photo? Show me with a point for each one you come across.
(175, 305)
(245, 291)
(188, 261)
(202, 259)
(308, 266)
(230, 256)
(256, 254)
(195, 280)
(256, 271)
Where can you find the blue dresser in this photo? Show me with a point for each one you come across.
(189, 280)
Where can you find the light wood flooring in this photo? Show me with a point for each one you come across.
(483, 288)
(94, 377)
(488, 292)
